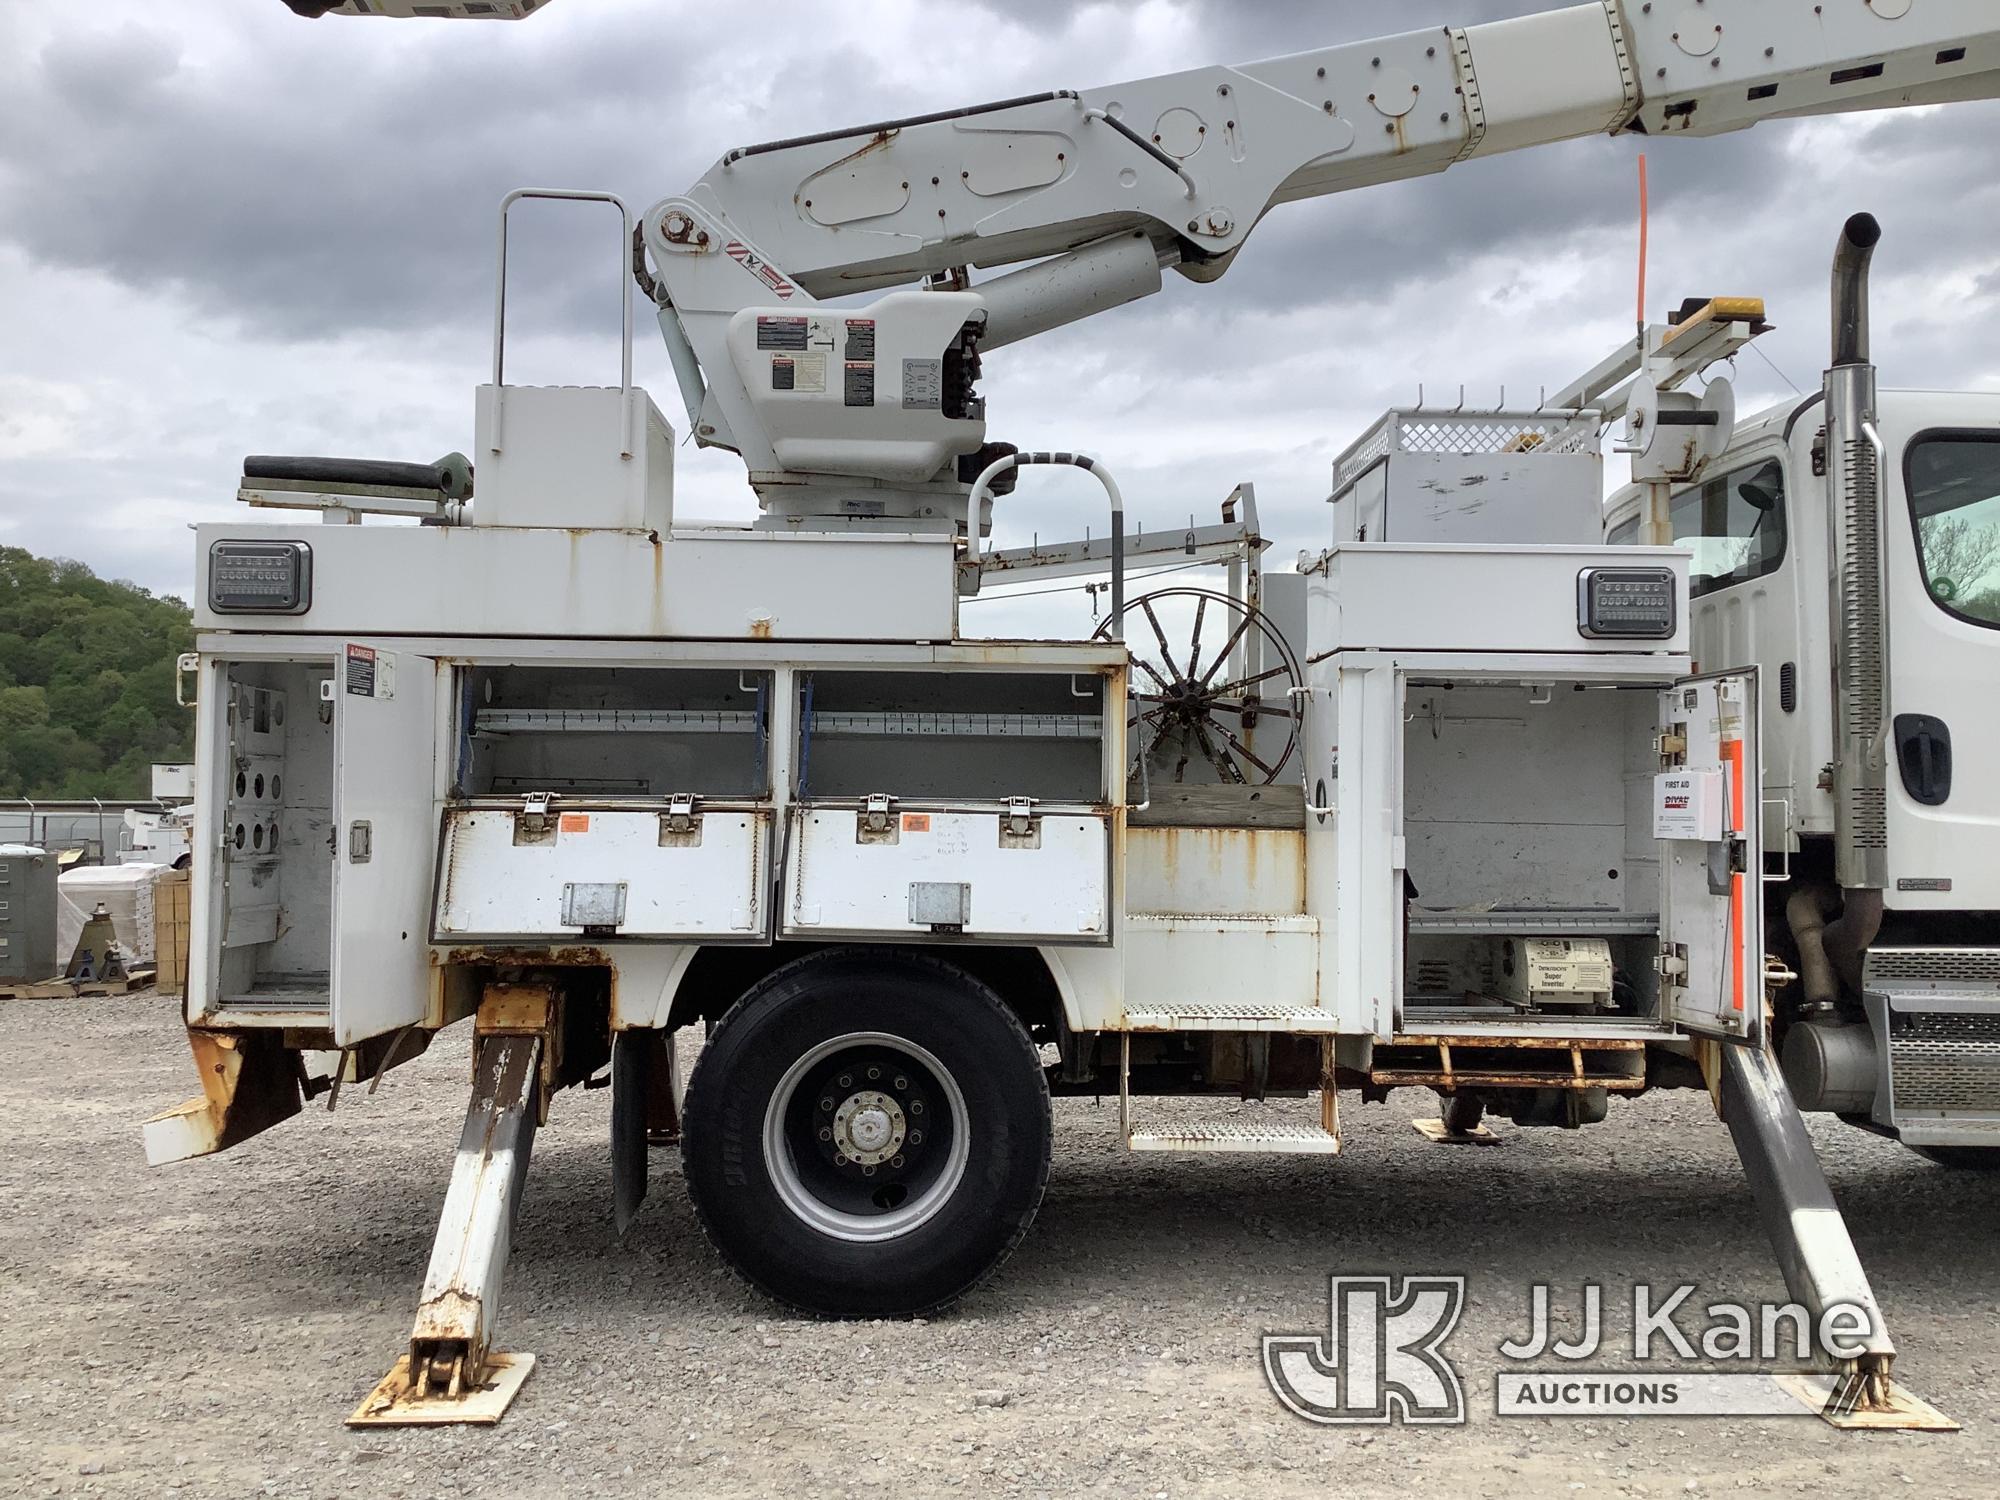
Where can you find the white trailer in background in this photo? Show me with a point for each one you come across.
(563, 764)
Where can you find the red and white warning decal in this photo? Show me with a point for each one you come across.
(759, 267)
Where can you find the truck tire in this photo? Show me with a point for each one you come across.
(866, 1134)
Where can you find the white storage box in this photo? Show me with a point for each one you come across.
(126, 892)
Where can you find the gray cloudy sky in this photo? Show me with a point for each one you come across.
(227, 230)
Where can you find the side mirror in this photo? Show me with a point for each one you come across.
(1764, 490)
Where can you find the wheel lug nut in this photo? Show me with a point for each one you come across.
(916, 1137)
(874, 1073)
(847, 1080)
(901, 1082)
(916, 1106)
(825, 1134)
(895, 1161)
(867, 1171)
(826, 1106)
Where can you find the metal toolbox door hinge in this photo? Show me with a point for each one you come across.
(1020, 826)
(1671, 963)
(876, 822)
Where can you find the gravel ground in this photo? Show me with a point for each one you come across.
(203, 1329)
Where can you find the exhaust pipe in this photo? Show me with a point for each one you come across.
(1858, 240)
(1855, 457)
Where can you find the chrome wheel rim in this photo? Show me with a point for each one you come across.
(865, 1136)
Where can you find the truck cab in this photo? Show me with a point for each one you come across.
(1759, 523)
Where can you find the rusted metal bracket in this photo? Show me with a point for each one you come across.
(249, 1080)
(451, 1373)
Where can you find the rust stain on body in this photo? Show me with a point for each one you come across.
(569, 955)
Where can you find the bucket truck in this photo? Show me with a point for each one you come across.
(581, 772)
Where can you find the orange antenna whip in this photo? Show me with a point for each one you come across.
(1645, 230)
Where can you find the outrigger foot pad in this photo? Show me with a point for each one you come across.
(1896, 1410)
(396, 1402)
(1440, 1133)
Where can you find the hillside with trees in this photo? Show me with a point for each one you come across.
(86, 681)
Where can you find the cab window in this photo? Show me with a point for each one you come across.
(1954, 485)
(1734, 525)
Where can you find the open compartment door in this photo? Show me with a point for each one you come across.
(385, 734)
(607, 803)
(1707, 799)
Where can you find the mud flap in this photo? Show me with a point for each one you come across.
(644, 1114)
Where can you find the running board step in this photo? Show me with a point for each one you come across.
(1227, 1135)
(1296, 1020)
(1270, 1137)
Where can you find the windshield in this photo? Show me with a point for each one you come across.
(1954, 484)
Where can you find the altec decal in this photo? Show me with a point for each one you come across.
(757, 266)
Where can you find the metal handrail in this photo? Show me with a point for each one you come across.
(978, 496)
(624, 278)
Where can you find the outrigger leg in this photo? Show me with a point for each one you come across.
(451, 1373)
(1821, 1267)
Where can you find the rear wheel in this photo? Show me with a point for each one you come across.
(867, 1133)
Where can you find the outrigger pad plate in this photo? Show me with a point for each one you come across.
(1438, 1134)
(391, 1404)
(1905, 1412)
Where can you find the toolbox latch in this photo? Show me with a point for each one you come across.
(1020, 826)
(533, 820)
(877, 821)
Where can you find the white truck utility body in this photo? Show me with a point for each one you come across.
(559, 762)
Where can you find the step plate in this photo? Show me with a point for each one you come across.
(1293, 1019)
(1292, 1140)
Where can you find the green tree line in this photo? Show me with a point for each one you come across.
(86, 681)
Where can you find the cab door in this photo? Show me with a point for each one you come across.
(1706, 808)
(385, 803)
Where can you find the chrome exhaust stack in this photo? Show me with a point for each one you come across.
(1855, 459)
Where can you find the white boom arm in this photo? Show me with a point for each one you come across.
(869, 412)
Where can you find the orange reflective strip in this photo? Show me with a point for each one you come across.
(1732, 755)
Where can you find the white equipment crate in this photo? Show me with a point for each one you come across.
(662, 872)
(891, 869)
(1428, 474)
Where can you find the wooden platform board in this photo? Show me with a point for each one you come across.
(71, 989)
(1282, 805)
